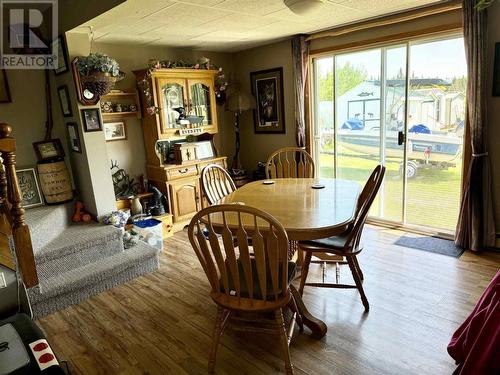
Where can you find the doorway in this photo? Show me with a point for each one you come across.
(403, 106)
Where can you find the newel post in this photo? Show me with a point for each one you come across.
(20, 231)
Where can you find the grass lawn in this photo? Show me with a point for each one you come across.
(433, 195)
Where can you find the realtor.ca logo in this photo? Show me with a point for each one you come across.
(28, 38)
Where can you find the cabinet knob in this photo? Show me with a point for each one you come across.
(185, 170)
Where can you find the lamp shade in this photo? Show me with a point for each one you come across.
(239, 101)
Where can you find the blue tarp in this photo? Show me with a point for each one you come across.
(420, 128)
(353, 124)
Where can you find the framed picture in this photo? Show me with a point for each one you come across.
(4, 88)
(267, 87)
(496, 71)
(59, 48)
(48, 150)
(204, 150)
(91, 120)
(74, 137)
(114, 131)
(64, 101)
(30, 190)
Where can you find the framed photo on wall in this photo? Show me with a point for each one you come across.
(74, 137)
(48, 150)
(64, 101)
(267, 87)
(4, 88)
(114, 131)
(59, 48)
(91, 120)
(496, 71)
(30, 189)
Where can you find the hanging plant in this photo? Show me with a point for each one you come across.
(203, 63)
(98, 73)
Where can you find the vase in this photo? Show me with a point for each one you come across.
(135, 206)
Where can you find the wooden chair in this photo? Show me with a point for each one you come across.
(216, 183)
(346, 246)
(290, 162)
(242, 282)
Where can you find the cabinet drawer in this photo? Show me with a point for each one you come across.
(181, 172)
(220, 163)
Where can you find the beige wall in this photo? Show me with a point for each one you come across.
(257, 147)
(494, 108)
(26, 114)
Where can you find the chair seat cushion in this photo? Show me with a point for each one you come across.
(255, 281)
(336, 243)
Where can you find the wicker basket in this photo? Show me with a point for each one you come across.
(100, 83)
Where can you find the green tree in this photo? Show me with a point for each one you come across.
(348, 77)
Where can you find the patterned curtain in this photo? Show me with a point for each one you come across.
(300, 56)
(476, 226)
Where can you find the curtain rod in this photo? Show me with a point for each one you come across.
(390, 19)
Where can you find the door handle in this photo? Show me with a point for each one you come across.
(401, 138)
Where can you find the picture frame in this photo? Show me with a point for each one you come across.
(496, 71)
(30, 188)
(74, 137)
(59, 47)
(4, 88)
(204, 150)
(114, 131)
(267, 87)
(91, 119)
(64, 101)
(49, 150)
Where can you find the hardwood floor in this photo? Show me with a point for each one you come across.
(162, 323)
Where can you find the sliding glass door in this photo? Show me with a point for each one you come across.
(376, 106)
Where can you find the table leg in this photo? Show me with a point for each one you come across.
(317, 326)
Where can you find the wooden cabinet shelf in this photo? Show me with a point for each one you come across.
(116, 115)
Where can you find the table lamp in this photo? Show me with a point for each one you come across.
(238, 101)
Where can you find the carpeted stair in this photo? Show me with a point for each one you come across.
(76, 261)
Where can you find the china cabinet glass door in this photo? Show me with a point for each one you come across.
(200, 100)
(172, 94)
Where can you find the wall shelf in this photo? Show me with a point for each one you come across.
(117, 115)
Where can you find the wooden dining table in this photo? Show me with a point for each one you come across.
(308, 209)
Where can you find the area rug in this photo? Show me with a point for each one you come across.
(431, 244)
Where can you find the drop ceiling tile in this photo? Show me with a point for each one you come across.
(221, 36)
(326, 12)
(256, 7)
(208, 3)
(238, 22)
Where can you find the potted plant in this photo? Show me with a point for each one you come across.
(98, 73)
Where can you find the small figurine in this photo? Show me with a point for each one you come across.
(80, 214)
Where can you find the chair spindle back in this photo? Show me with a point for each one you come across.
(290, 162)
(237, 277)
(216, 183)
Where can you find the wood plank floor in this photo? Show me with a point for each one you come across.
(161, 323)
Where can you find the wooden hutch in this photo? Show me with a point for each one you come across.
(194, 90)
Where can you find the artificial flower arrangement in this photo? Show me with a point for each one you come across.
(116, 218)
(97, 62)
(203, 63)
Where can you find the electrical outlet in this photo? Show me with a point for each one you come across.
(3, 283)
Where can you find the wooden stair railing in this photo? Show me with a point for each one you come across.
(11, 203)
